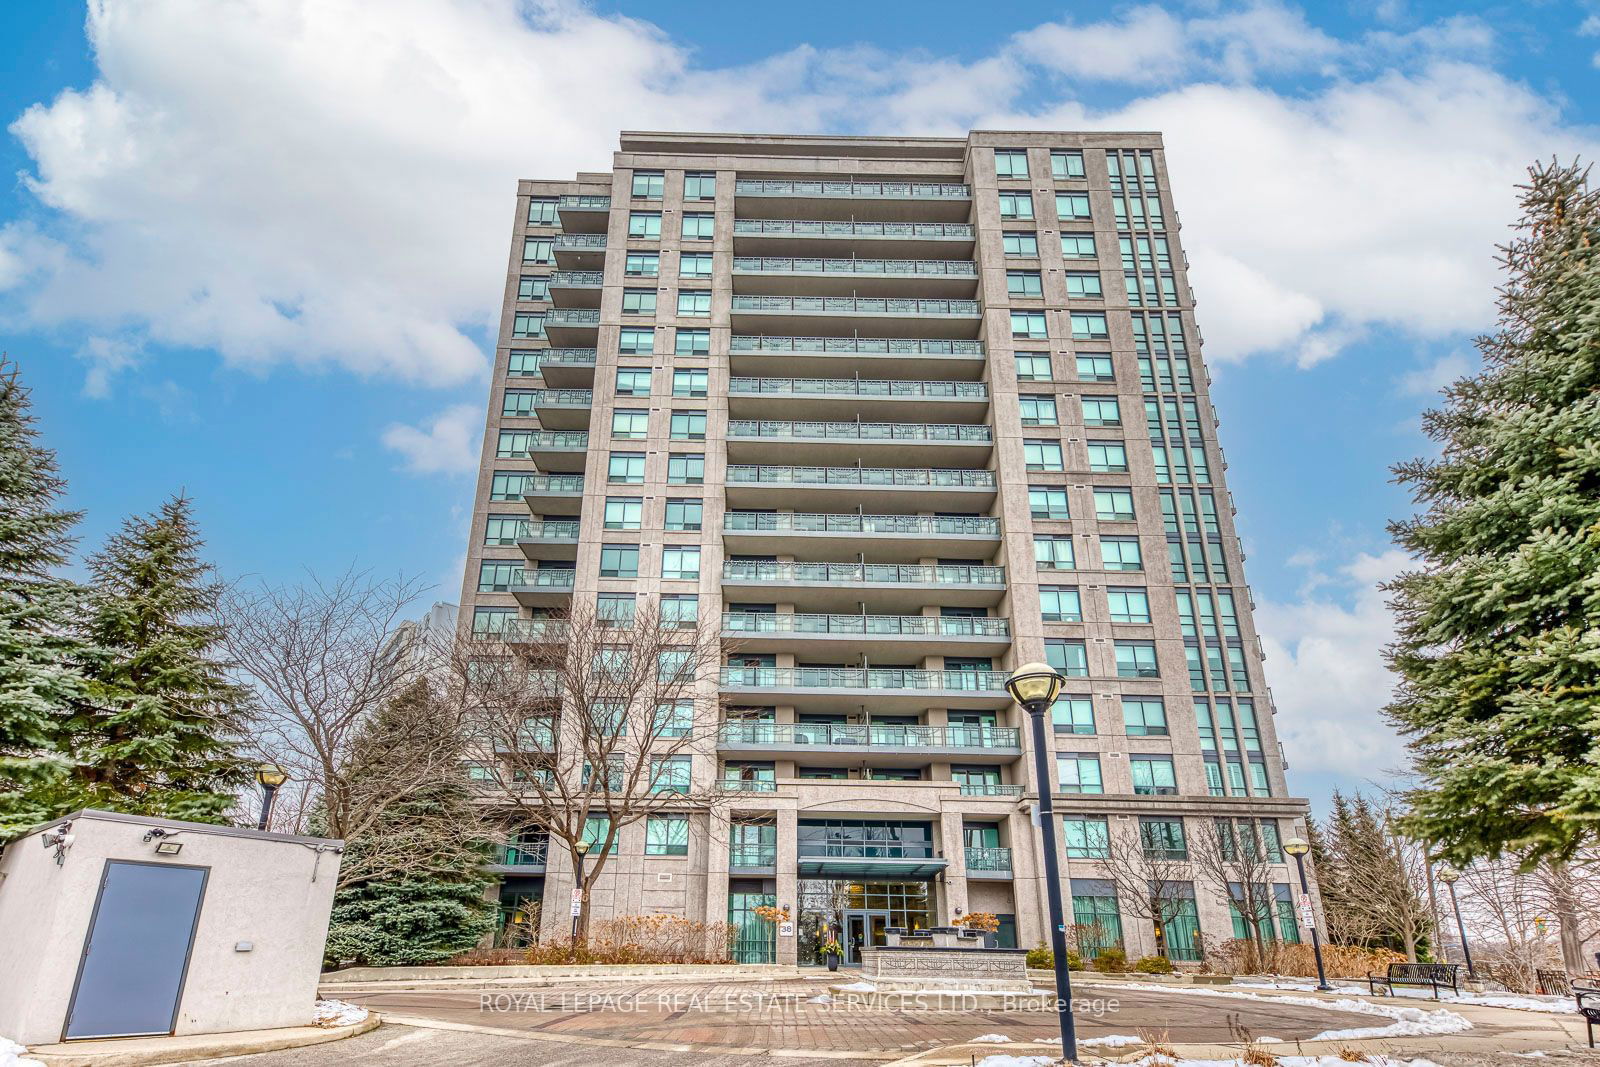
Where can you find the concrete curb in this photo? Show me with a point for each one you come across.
(337, 990)
(147, 1051)
(363, 975)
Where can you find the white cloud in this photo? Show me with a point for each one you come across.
(1426, 381)
(107, 357)
(448, 444)
(1325, 665)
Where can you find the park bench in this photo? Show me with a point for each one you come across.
(1433, 976)
(1587, 994)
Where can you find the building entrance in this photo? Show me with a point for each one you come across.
(857, 915)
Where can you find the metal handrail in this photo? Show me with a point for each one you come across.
(582, 398)
(583, 200)
(884, 625)
(747, 785)
(894, 346)
(535, 854)
(962, 268)
(862, 431)
(550, 439)
(988, 859)
(855, 387)
(871, 573)
(552, 483)
(548, 578)
(862, 678)
(566, 355)
(868, 735)
(548, 530)
(895, 190)
(753, 856)
(527, 630)
(572, 316)
(745, 474)
(815, 522)
(577, 277)
(801, 227)
(867, 849)
(580, 240)
(857, 305)
(989, 789)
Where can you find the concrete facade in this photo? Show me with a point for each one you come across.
(273, 891)
(1027, 271)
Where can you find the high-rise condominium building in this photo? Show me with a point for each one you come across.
(903, 413)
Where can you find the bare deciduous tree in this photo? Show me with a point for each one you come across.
(1231, 855)
(1151, 877)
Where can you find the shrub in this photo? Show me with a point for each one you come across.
(1153, 965)
(1111, 961)
(1074, 961)
(1041, 958)
(1241, 956)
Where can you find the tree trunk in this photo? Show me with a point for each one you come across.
(1567, 916)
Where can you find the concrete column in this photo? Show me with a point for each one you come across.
(788, 881)
(715, 856)
(955, 873)
(1026, 885)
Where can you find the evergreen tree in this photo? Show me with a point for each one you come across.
(39, 652)
(1498, 647)
(413, 890)
(159, 731)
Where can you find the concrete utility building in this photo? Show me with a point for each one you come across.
(903, 413)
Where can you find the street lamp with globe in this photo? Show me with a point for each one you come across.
(270, 777)
(1449, 875)
(1298, 847)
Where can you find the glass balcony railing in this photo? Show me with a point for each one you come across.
(545, 579)
(989, 859)
(563, 398)
(932, 268)
(862, 476)
(580, 241)
(753, 856)
(781, 734)
(855, 190)
(862, 573)
(894, 346)
(549, 440)
(584, 202)
(807, 522)
(573, 357)
(747, 785)
(861, 431)
(523, 854)
(851, 850)
(525, 630)
(533, 484)
(860, 678)
(578, 277)
(989, 789)
(865, 625)
(548, 530)
(856, 387)
(805, 228)
(572, 317)
(851, 305)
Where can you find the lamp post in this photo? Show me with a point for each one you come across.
(269, 776)
(582, 849)
(1448, 876)
(1035, 686)
(1298, 847)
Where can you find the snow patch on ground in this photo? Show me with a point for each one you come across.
(329, 1013)
(1284, 1061)
(1016, 1061)
(858, 987)
(1109, 1041)
(1407, 1022)
(1517, 1001)
(822, 998)
(14, 1055)
(989, 1039)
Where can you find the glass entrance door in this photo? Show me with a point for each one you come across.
(863, 929)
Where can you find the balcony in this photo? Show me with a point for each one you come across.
(532, 631)
(576, 288)
(753, 859)
(767, 441)
(848, 688)
(988, 863)
(844, 585)
(894, 357)
(901, 240)
(872, 635)
(544, 588)
(747, 785)
(524, 857)
(915, 488)
(555, 450)
(885, 745)
(884, 201)
(869, 859)
(572, 326)
(855, 277)
(552, 492)
(563, 409)
(839, 536)
(989, 789)
(564, 368)
(889, 316)
(855, 396)
(531, 736)
(580, 251)
(584, 213)
(549, 540)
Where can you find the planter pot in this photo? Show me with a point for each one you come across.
(833, 962)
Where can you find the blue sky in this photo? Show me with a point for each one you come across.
(253, 250)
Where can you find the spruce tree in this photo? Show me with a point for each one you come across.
(413, 889)
(39, 650)
(160, 730)
(1498, 647)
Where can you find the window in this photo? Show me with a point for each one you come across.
(633, 382)
(1129, 605)
(1071, 658)
(674, 718)
(1042, 455)
(666, 835)
(1010, 163)
(642, 264)
(1136, 659)
(1152, 775)
(634, 340)
(645, 225)
(688, 426)
(679, 611)
(504, 529)
(624, 513)
(1077, 246)
(1113, 505)
(1066, 164)
(517, 402)
(638, 301)
(1079, 772)
(1108, 457)
(692, 343)
(595, 830)
(493, 620)
(1101, 411)
(694, 302)
(1037, 410)
(680, 561)
(1024, 283)
(619, 561)
(1016, 206)
(684, 514)
(1162, 838)
(1096, 369)
(615, 609)
(669, 774)
(508, 485)
(530, 288)
(1144, 716)
(649, 184)
(698, 226)
(527, 324)
(699, 185)
(541, 212)
(1089, 326)
(686, 468)
(1072, 715)
(625, 468)
(1022, 243)
(1087, 837)
(1053, 552)
(523, 364)
(498, 576)
(690, 383)
(1047, 502)
(1028, 324)
(1033, 367)
(675, 667)
(1059, 603)
(630, 425)
(1072, 205)
(1084, 284)
(694, 264)
(538, 250)
(1121, 554)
